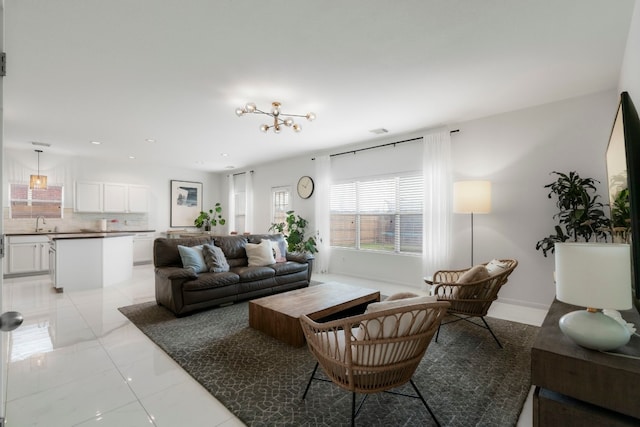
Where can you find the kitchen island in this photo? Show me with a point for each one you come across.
(80, 261)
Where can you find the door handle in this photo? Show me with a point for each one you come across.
(10, 320)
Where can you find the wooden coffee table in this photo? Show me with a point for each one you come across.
(278, 315)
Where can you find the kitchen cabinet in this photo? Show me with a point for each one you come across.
(87, 196)
(115, 197)
(27, 254)
(142, 248)
(109, 197)
(91, 260)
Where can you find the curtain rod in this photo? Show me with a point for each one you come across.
(241, 173)
(382, 145)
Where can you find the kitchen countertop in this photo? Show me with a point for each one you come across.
(59, 236)
(53, 233)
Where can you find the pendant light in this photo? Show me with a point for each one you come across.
(38, 181)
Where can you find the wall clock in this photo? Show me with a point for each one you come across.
(305, 187)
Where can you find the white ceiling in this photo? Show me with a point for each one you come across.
(123, 71)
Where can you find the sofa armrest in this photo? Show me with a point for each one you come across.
(303, 258)
(171, 273)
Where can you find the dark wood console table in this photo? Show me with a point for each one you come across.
(575, 386)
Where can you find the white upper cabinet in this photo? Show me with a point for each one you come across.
(115, 197)
(110, 197)
(87, 196)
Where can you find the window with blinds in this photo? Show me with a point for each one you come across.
(381, 214)
(27, 203)
(280, 204)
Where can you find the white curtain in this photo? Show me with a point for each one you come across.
(437, 215)
(322, 213)
(231, 202)
(248, 207)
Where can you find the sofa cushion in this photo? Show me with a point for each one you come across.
(192, 258)
(260, 255)
(215, 259)
(475, 273)
(211, 280)
(233, 248)
(249, 274)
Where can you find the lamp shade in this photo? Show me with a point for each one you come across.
(472, 197)
(595, 275)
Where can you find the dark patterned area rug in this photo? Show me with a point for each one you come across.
(466, 379)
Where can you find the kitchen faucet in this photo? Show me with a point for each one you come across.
(38, 220)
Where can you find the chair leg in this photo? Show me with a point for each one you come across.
(425, 402)
(492, 334)
(313, 374)
(438, 332)
(353, 409)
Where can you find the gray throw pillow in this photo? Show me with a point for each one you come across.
(215, 259)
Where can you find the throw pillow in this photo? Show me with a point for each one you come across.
(496, 266)
(400, 295)
(389, 325)
(192, 258)
(261, 254)
(279, 250)
(215, 259)
(475, 273)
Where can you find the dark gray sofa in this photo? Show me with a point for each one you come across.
(182, 291)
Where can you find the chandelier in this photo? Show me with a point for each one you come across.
(275, 112)
(38, 181)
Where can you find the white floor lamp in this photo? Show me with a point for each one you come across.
(471, 197)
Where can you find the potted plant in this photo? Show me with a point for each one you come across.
(293, 230)
(213, 217)
(580, 215)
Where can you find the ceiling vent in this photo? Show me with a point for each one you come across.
(40, 144)
(379, 131)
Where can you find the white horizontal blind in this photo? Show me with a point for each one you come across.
(383, 213)
(27, 203)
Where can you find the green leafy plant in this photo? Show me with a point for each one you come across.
(293, 230)
(621, 215)
(580, 215)
(213, 217)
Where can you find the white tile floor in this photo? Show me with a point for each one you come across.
(77, 361)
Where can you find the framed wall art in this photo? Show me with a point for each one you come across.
(186, 202)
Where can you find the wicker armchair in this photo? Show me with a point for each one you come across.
(383, 351)
(470, 299)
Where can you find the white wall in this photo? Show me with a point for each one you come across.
(19, 164)
(630, 73)
(516, 151)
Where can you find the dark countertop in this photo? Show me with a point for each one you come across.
(67, 236)
(52, 233)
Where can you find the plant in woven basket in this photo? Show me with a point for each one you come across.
(580, 217)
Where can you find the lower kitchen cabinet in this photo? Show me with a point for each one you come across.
(27, 254)
(143, 248)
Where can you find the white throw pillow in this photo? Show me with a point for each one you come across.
(373, 326)
(496, 267)
(261, 254)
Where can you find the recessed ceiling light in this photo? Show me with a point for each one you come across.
(96, 142)
(132, 157)
(230, 167)
(150, 140)
(224, 154)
